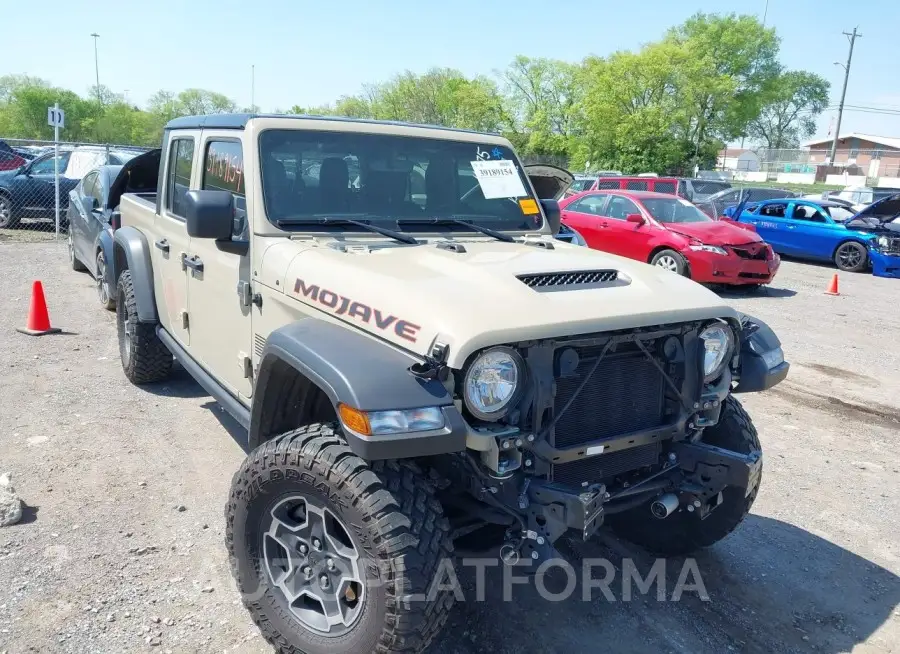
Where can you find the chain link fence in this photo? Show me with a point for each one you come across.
(34, 174)
(851, 167)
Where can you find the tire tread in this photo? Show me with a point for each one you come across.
(411, 533)
(151, 360)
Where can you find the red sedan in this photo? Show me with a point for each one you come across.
(672, 233)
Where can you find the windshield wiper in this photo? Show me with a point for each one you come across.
(334, 220)
(487, 231)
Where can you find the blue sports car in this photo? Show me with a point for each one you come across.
(809, 229)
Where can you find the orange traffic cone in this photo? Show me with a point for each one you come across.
(833, 286)
(38, 316)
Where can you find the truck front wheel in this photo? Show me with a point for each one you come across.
(145, 358)
(333, 555)
(684, 532)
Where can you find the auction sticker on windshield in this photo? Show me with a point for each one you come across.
(498, 179)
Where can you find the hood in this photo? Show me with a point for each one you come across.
(876, 215)
(414, 296)
(550, 182)
(138, 175)
(718, 232)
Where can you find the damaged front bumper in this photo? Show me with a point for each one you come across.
(698, 472)
(884, 264)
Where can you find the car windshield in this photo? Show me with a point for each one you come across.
(707, 187)
(840, 214)
(581, 184)
(674, 210)
(383, 178)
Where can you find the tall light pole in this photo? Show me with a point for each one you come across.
(837, 130)
(765, 13)
(97, 67)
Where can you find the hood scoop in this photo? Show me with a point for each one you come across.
(572, 280)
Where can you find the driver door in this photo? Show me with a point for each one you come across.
(809, 231)
(218, 292)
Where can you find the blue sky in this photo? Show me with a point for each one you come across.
(310, 52)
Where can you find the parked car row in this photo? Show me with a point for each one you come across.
(735, 236)
(28, 190)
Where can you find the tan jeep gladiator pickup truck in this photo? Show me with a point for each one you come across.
(417, 360)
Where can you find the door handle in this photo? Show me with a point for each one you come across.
(192, 262)
(162, 244)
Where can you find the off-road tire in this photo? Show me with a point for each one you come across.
(683, 532)
(851, 247)
(73, 258)
(148, 360)
(8, 218)
(680, 263)
(397, 523)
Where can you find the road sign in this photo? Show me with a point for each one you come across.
(56, 117)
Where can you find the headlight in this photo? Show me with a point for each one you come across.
(708, 248)
(717, 341)
(492, 382)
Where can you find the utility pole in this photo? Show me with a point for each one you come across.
(765, 13)
(97, 67)
(837, 130)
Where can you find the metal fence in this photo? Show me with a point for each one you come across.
(35, 174)
(872, 167)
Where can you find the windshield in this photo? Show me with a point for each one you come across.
(841, 214)
(581, 185)
(674, 210)
(382, 178)
(706, 187)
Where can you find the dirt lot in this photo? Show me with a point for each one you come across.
(121, 549)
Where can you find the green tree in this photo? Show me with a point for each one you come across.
(11, 83)
(790, 105)
(725, 63)
(441, 96)
(542, 100)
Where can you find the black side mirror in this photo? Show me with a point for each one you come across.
(90, 204)
(552, 212)
(209, 214)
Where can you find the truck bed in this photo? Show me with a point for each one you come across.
(138, 210)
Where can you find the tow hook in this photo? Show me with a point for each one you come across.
(664, 505)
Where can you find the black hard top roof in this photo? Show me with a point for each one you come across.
(239, 121)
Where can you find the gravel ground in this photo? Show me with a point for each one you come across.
(121, 547)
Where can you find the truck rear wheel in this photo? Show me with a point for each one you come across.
(333, 555)
(684, 532)
(145, 359)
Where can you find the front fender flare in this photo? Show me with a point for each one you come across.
(364, 373)
(756, 374)
(132, 252)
